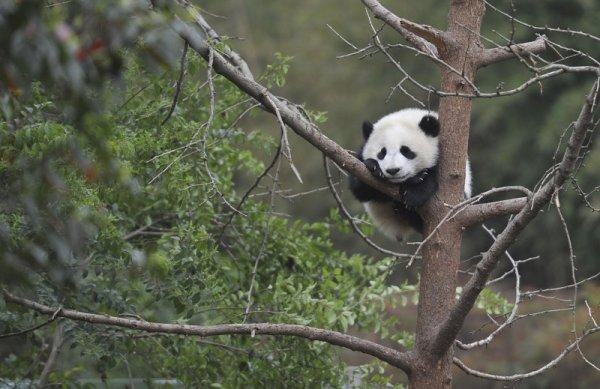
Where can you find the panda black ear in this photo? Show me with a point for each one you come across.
(367, 128)
(430, 125)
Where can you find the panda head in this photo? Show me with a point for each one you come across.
(402, 144)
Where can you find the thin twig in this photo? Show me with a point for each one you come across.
(513, 314)
(249, 191)
(545, 28)
(179, 83)
(349, 217)
(530, 374)
(37, 327)
(268, 219)
(57, 342)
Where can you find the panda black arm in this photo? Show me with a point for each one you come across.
(359, 189)
(364, 192)
(419, 189)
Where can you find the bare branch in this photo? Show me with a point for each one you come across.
(511, 271)
(352, 221)
(590, 314)
(448, 330)
(478, 213)
(494, 209)
(573, 277)
(346, 41)
(542, 369)
(34, 328)
(178, 84)
(233, 57)
(205, 127)
(549, 72)
(490, 56)
(425, 38)
(580, 282)
(379, 45)
(402, 360)
(290, 114)
(25, 331)
(485, 57)
(513, 314)
(57, 342)
(544, 28)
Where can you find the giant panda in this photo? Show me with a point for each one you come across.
(401, 148)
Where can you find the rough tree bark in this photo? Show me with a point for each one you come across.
(441, 255)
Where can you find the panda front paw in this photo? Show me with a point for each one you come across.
(419, 178)
(374, 168)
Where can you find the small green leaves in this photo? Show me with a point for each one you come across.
(274, 74)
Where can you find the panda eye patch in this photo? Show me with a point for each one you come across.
(381, 154)
(407, 152)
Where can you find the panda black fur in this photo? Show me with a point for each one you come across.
(402, 148)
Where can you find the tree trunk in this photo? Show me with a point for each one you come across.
(441, 254)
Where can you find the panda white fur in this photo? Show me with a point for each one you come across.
(402, 148)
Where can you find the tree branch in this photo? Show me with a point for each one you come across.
(478, 213)
(290, 114)
(57, 342)
(177, 85)
(448, 330)
(425, 38)
(402, 360)
(498, 54)
(232, 56)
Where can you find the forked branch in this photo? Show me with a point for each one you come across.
(435, 43)
(425, 38)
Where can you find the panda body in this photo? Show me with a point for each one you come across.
(401, 148)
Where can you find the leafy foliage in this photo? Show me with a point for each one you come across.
(147, 223)
(493, 303)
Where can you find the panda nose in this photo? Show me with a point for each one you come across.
(392, 171)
